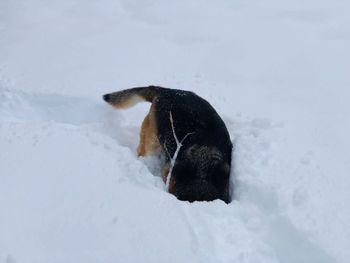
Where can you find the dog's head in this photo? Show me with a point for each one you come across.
(202, 175)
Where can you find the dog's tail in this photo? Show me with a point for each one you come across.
(129, 97)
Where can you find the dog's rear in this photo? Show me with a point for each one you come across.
(202, 168)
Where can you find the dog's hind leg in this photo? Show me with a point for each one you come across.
(141, 149)
(149, 143)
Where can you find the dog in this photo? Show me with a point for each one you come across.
(183, 125)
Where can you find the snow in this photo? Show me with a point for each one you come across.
(73, 189)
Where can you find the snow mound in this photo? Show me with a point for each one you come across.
(73, 190)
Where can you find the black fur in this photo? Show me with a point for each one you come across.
(202, 168)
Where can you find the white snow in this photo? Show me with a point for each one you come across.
(72, 188)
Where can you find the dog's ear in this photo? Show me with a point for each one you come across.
(224, 168)
(183, 171)
(219, 167)
(220, 173)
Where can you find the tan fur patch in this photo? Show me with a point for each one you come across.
(149, 143)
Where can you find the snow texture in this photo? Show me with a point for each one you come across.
(72, 188)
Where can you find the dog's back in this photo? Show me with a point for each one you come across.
(202, 167)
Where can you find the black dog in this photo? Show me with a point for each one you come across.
(202, 167)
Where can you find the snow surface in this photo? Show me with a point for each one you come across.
(72, 188)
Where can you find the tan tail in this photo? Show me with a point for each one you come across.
(129, 97)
